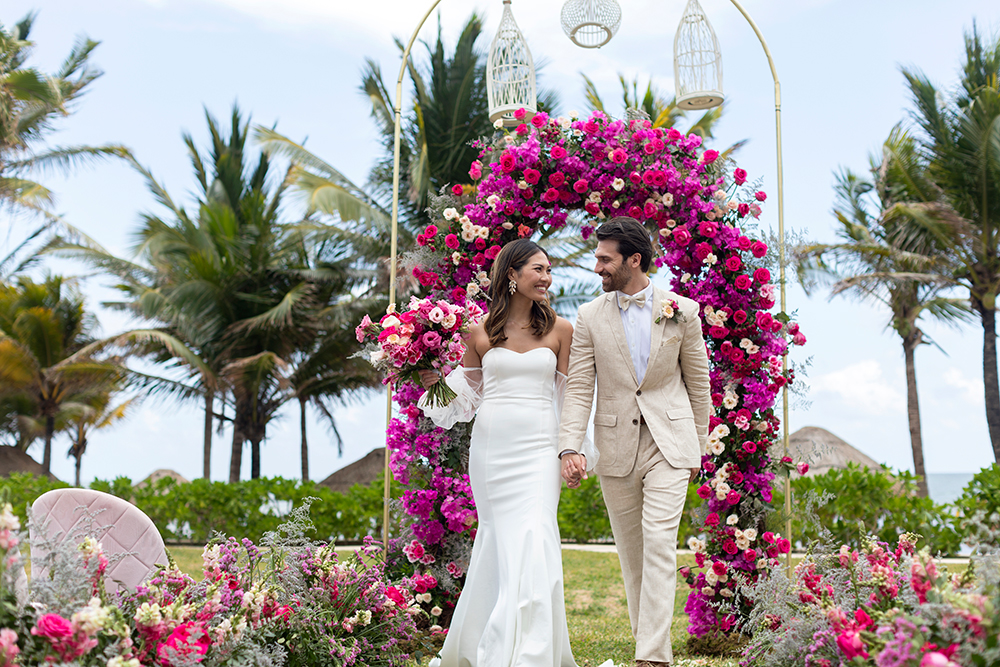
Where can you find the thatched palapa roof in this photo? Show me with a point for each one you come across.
(363, 471)
(13, 459)
(824, 451)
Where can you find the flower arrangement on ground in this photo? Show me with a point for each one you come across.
(288, 602)
(882, 606)
(702, 214)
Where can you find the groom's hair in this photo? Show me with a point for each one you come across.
(631, 237)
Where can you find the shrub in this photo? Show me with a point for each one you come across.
(22, 488)
(978, 508)
(861, 501)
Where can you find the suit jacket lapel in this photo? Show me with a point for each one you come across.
(614, 319)
(656, 330)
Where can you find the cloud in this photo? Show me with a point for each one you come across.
(972, 389)
(863, 387)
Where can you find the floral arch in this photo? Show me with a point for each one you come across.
(701, 213)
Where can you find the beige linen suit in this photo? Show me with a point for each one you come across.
(648, 436)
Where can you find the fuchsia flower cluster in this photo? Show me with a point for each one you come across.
(701, 216)
(884, 607)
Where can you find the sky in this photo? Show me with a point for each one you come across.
(296, 65)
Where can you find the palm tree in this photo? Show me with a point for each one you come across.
(43, 326)
(30, 101)
(960, 139)
(94, 415)
(880, 259)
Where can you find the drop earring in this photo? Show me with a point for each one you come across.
(512, 287)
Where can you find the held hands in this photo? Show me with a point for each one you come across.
(574, 469)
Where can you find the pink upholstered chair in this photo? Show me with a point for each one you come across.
(130, 532)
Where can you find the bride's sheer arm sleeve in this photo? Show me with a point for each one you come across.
(467, 383)
(587, 447)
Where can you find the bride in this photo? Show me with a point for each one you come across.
(511, 611)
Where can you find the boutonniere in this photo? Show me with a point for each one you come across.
(670, 310)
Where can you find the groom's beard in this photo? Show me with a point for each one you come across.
(615, 282)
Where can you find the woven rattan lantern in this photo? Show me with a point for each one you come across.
(591, 23)
(510, 72)
(697, 61)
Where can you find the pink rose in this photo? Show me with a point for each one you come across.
(619, 156)
(708, 228)
(532, 176)
(558, 152)
(431, 230)
(556, 179)
(802, 467)
(451, 240)
(799, 338)
(749, 446)
(743, 210)
(507, 162)
(681, 235)
(740, 316)
(431, 339)
(492, 252)
(550, 195)
(712, 519)
(761, 196)
(476, 170)
(740, 176)
(520, 113)
(742, 281)
(733, 497)
(759, 249)
(762, 275)
(188, 641)
(784, 546)
(768, 537)
(704, 491)
(709, 156)
(581, 186)
(673, 135)
(733, 263)
(590, 127)
(720, 568)
(743, 243)
(521, 129)
(53, 626)
(730, 547)
(538, 120)
(750, 555)
(456, 190)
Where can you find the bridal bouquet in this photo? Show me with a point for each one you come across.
(428, 335)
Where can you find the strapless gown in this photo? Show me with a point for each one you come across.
(511, 612)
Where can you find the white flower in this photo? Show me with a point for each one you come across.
(509, 140)
(424, 597)
(472, 289)
(148, 614)
(436, 314)
(468, 235)
(750, 534)
(119, 661)
(450, 214)
(522, 185)
(726, 593)
(722, 490)
(721, 430)
(671, 223)
(618, 184)
(732, 520)
(708, 591)
(742, 543)
(711, 578)
(667, 199)
(482, 232)
(615, 204)
(730, 400)
(719, 195)
(574, 114)
(716, 448)
(449, 321)
(492, 200)
(711, 259)
(436, 628)
(595, 197)
(436, 611)
(564, 122)
(498, 123)
(456, 258)
(686, 277)
(577, 133)
(91, 618)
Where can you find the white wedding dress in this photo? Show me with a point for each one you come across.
(511, 611)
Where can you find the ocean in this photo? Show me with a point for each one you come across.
(947, 487)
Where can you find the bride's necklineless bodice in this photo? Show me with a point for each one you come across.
(519, 376)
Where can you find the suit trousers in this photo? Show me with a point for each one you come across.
(645, 508)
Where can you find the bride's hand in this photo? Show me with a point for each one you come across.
(574, 469)
(429, 378)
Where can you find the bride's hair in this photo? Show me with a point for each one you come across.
(514, 255)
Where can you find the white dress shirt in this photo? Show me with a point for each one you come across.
(638, 323)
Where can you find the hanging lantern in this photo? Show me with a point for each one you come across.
(697, 61)
(510, 73)
(591, 23)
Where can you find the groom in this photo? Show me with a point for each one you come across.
(651, 423)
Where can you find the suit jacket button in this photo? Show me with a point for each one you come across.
(635, 421)
(638, 392)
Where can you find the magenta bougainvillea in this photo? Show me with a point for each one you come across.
(701, 212)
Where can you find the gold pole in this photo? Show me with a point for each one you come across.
(781, 267)
(397, 129)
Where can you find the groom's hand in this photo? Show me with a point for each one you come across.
(694, 474)
(574, 469)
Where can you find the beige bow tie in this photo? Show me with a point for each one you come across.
(624, 300)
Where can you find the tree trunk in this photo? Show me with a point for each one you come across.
(910, 344)
(50, 427)
(206, 463)
(236, 456)
(254, 458)
(305, 445)
(79, 460)
(990, 381)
